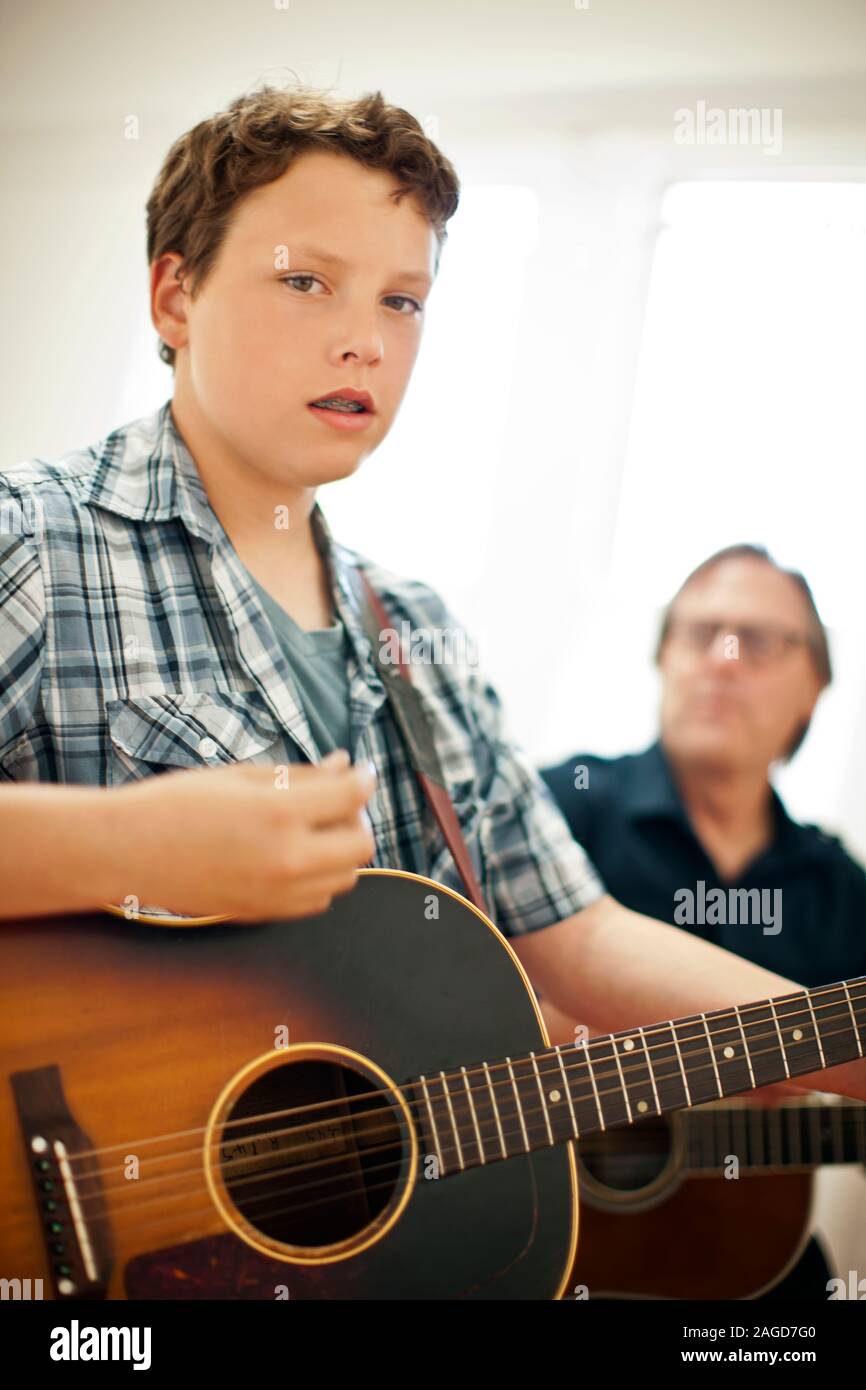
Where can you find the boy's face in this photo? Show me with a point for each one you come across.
(277, 324)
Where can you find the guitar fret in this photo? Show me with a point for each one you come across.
(652, 1075)
(815, 1129)
(495, 1108)
(695, 1052)
(757, 1129)
(453, 1121)
(698, 1123)
(763, 1043)
(774, 1127)
(851, 1115)
(795, 1132)
(833, 1021)
(727, 1051)
(680, 1060)
(817, 1032)
(711, 1143)
(471, 1102)
(738, 1146)
(781, 1044)
(622, 1084)
(745, 1044)
(703, 1018)
(530, 1081)
(853, 1020)
(591, 1074)
(433, 1130)
(717, 1149)
(517, 1102)
(623, 1077)
(583, 1091)
(743, 1146)
(640, 1083)
(543, 1098)
(836, 1136)
(567, 1089)
(692, 1137)
(797, 1036)
(670, 1087)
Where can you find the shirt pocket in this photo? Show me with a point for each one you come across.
(149, 734)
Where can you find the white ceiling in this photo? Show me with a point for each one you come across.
(87, 63)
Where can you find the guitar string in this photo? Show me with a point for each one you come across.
(590, 1145)
(608, 1040)
(285, 1211)
(845, 1128)
(527, 1113)
(350, 1119)
(121, 1210)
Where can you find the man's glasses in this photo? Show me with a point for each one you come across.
(758, 645)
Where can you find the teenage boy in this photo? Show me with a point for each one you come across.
(172, 598)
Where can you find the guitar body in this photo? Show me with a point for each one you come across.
(149, 1048)
(721, 1239)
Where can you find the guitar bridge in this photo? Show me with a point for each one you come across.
(70, 1204)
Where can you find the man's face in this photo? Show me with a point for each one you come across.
(316, 287)
(719, 707)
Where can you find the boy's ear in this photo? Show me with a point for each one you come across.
(168, 300)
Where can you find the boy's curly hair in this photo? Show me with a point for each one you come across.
(209, 169)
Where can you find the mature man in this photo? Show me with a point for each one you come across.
(691, 831)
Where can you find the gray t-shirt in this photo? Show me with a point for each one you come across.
(319, 665)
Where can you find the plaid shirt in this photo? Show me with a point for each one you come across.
(132, 642)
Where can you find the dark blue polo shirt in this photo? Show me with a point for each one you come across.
(631, 821)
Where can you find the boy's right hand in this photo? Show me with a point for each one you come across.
(252, 841)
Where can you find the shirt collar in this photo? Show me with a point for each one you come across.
(145, 472)
(652, 793)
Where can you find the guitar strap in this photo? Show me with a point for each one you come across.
(414, 724)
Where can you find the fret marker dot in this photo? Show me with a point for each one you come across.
(554, 1096)
(642, 1106)
(728, 1052)
(628, 1045)
(797, 1034)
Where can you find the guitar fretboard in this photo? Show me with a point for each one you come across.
(807, 1135)
(499, 1109)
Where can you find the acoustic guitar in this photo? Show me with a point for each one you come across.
(360, 1104)
(725, 1190)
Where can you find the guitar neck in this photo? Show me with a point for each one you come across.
(798, 1135)
(500, 1109)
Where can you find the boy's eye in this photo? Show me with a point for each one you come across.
(289, 279)
(405, 299)
(399, 299)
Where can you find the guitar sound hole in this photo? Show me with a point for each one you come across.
(311, 1153)
(627, 1160)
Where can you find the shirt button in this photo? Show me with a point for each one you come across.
(207, 747)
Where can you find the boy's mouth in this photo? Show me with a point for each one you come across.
(335, 403)
(349, 402)
(347, 409)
